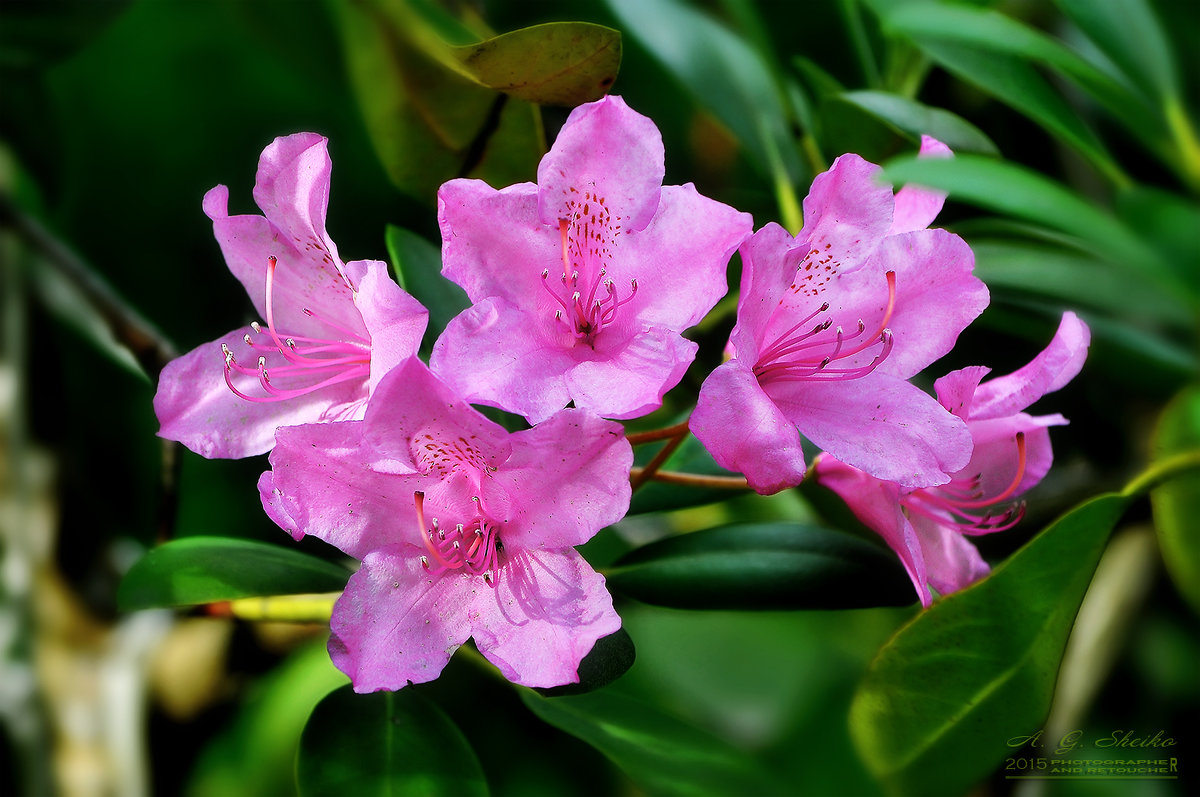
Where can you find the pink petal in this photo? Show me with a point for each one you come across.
(630, 380)
(936, 297)
(323, 484)
(609, 151)
(679, 259)
(951, 561)
(995, 455)
(877, 504)
(195, 406)
(956, 390)
(879, 424)
(769, 260)
(545, 614)
(395, 624)
(744, 431)
(292, 188)
(847, 213)
(417, 420)
(489, 354)
(567, 478)
(1054, 367)
(493, 243)
(394, 320)
(917, 207)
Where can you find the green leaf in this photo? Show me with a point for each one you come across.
(427, 122)
(1128, 32)
(763, 566)
(609, 659)
(1177, 503)
(720, 71)
(915, 119)
(417, 265)
(1008, 188)
(385, 743)
(934, 712)
(207, 569)
(559, 63)
(255, 753)
(995, 53)
(661, 754)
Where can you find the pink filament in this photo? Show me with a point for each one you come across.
(807, 355)
(329, 361)
(588, 305)
(472, 547)
(954, 500)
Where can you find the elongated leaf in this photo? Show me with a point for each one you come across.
(206, 569)
(915, 119)
(417, 265)
(385, 743)
(995, 53)
(938, 704)
(763, 566)
(1129, 33)
(559, 63)
(1177, 503)
(661, 754)
(1009, 188)
(721, 71)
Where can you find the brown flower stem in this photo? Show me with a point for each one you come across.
(666, 433)
(645, 474)
(696, 479)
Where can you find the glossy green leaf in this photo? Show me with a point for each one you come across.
(661, 754)
(196, 570)
(1177, 503)
(1128, 32)
(995, 53)
(255, 753)
(915, 119)
(763, 566)
(934, 712)
(1008, 188)
(719, 70)
(559, 63)
(427, 122)
(609, 659)
(417, 265)
(385, 743)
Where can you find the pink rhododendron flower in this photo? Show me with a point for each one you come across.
(927, 527)
(582, 283)
(463, 529)
(332, 330)
(830, 326)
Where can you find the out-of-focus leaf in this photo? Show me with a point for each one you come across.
(1008, 188)
(763, 566)
(559, 63)
(934, 712)
(661, 754)
(256, 754)
(720, 71)
(609, 659)
(36, 35)
(915, 119)
(1169, 223)
(995, 53)
(417, 265)
(385, 743)
(1072, 278)
(207, 569)
(1177, 503)
(428, 123)
(1128, 33)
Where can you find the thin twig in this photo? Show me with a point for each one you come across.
(697, 479)
(659, 459)
(637, 438)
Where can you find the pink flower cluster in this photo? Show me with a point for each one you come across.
(581, 287)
